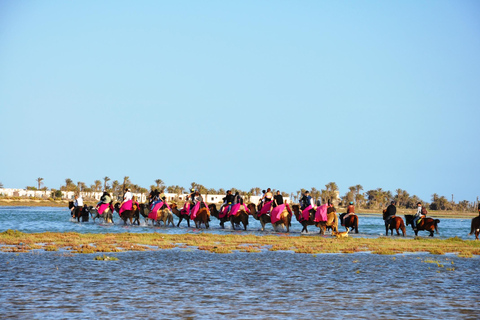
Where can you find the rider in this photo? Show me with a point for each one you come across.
(306, 200)
(350, 211)
(331, 208)
(104, 199)
(77, 204)
(277, 199)
(127, 196)
(228, 200)
(418, 215)
(390, 212)
(237, 198)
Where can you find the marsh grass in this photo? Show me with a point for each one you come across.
(15, 241)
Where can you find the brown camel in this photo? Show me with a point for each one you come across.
(285, 218)
(332, 220)
(181, 216)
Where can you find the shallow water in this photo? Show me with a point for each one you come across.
(186, 283)
(41, 219)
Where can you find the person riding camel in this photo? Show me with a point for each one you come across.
(390, 213)
(198, 198)
(306, 201)
(228, 201)
(350, 211)
(127, 196)
(331, 208)
(237, 198)
(277, 199)
(419, 215)
(104, 199)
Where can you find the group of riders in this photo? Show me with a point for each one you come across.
(268, 199)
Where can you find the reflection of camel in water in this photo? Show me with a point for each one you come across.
(427, 224)
(332, 220)
(181, 216)
(285, 218)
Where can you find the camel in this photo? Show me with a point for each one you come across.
(203, 216)
(285, 218)
(181, 216)
(127, 214)
(332, 220)
(214, 211)
(162, 215)
(107, 215)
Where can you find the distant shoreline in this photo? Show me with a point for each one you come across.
(361, 211)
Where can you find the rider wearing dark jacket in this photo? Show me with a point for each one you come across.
(390, 212)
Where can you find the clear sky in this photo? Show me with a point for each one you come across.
(280, 94)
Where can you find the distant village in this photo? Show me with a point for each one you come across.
(142, 197)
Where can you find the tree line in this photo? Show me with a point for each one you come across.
(370, 199)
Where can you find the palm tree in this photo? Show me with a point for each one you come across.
(1, 185)
(105, 180)
(69, 185)
(159, 183)
(126, 182)
(98, 185)
(39, 181)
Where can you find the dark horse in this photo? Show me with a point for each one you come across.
(427, 224)
(350, 222)
(78, 212)
(475, 227)
(127, 214)
(395, 223)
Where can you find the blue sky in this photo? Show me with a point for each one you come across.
(280, 94)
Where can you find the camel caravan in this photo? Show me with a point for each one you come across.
(271, 209)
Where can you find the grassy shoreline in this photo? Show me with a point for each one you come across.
(361, 211)
(16, 241)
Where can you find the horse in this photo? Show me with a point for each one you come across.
(127, 214)
(350, 222)
(107, 215)
(181, 216)
(77, 212)
(395, 223)
(427, 224)
(475, 227)
(214, 212)
(285, 218)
